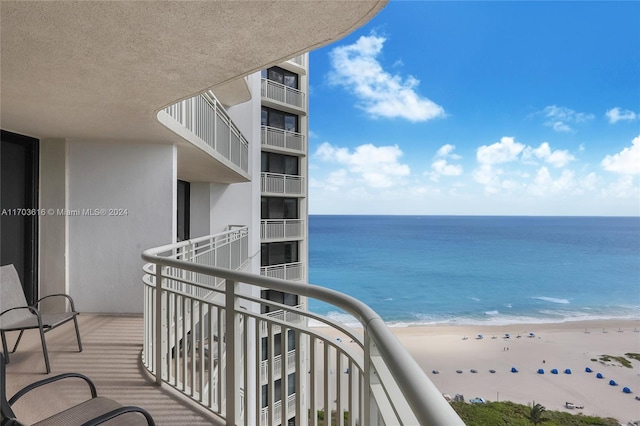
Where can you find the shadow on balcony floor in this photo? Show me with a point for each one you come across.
(111, 358)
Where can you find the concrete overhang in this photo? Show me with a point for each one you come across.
(103, 69)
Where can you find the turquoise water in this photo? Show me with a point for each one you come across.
(479, 270)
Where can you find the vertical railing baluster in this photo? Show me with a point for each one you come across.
(160, 325)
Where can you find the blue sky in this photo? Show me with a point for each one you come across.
(464, 108)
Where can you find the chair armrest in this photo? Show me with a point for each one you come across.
(73, 309)
(117, 412)
(48, 380)
(33, 310)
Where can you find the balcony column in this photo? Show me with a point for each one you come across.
(233, 347)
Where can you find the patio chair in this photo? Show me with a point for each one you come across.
(16, 315)
(94, 411)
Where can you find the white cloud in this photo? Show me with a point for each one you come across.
(616, 114)
(560, 118)
(446, 151)
(381, 94)
(440, 166)
(500, 152)
(557, 158)
(626, 162)
(376, 167)
(544, 184)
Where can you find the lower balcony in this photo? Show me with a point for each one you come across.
(285, 271)
(280, 184)
(281, 230)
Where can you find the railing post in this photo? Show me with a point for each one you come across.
(160, 323)
(368, 375)
(233, 351)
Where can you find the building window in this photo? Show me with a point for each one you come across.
(279, 208)
(279, 163)
(278, 253)
(291, 386)
(183, 214)
(282, 76)
(279, 119)
(284, 299)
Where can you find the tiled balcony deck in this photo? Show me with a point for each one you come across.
(111, 358)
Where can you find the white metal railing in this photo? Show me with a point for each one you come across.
(283, 94)
(206, 118)
(281, 229)
(277, 365)
(209, 350)
(284, 271)
(276, 183)
(280, 138)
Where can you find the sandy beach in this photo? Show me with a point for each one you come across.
(571, 345)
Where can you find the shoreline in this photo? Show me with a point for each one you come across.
(447, 349)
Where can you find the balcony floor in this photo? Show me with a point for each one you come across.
(111, 358)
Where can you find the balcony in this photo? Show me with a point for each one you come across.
(272, 230)
(277, 366)
(282, 97)
(281, 184)
(204, 123)
(285, 271)
(382, 383)
(280, 140)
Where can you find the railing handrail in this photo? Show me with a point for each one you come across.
(426, 402)
(282, 175)
(279, 130)
(283, 86)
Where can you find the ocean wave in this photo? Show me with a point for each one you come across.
(492, 313)
(552, 299)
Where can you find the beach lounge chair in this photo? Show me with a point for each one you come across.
(94, 411)
(16, 315)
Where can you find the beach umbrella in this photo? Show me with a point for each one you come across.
(554, 371)
(567, 371)
(514, 370)
(531, 335)
(626, 390)
(588, 370)
(540, 371)
(613, 383)
(599, 376)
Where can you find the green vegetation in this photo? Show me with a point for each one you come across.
(620, 359)
(509, 413)
(333, 417)
(536, 414)
(633, 356)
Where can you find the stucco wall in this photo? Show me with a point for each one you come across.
(105, 267)
(53, 229)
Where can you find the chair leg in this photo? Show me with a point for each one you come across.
(44, 350)
(17, 341)
(75, 321)
(5, 350)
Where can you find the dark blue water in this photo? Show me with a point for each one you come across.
(479, 270)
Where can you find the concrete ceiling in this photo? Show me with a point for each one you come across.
(100, 70)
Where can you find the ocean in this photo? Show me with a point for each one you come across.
(479, 270)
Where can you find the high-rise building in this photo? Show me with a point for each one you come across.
(283, 204)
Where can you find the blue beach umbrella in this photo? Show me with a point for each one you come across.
(554, 371)
(540, 371)
(613, 383)
(567, 371)
(588, 370)
(626, 390)
(514, 370)
(599, 376)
